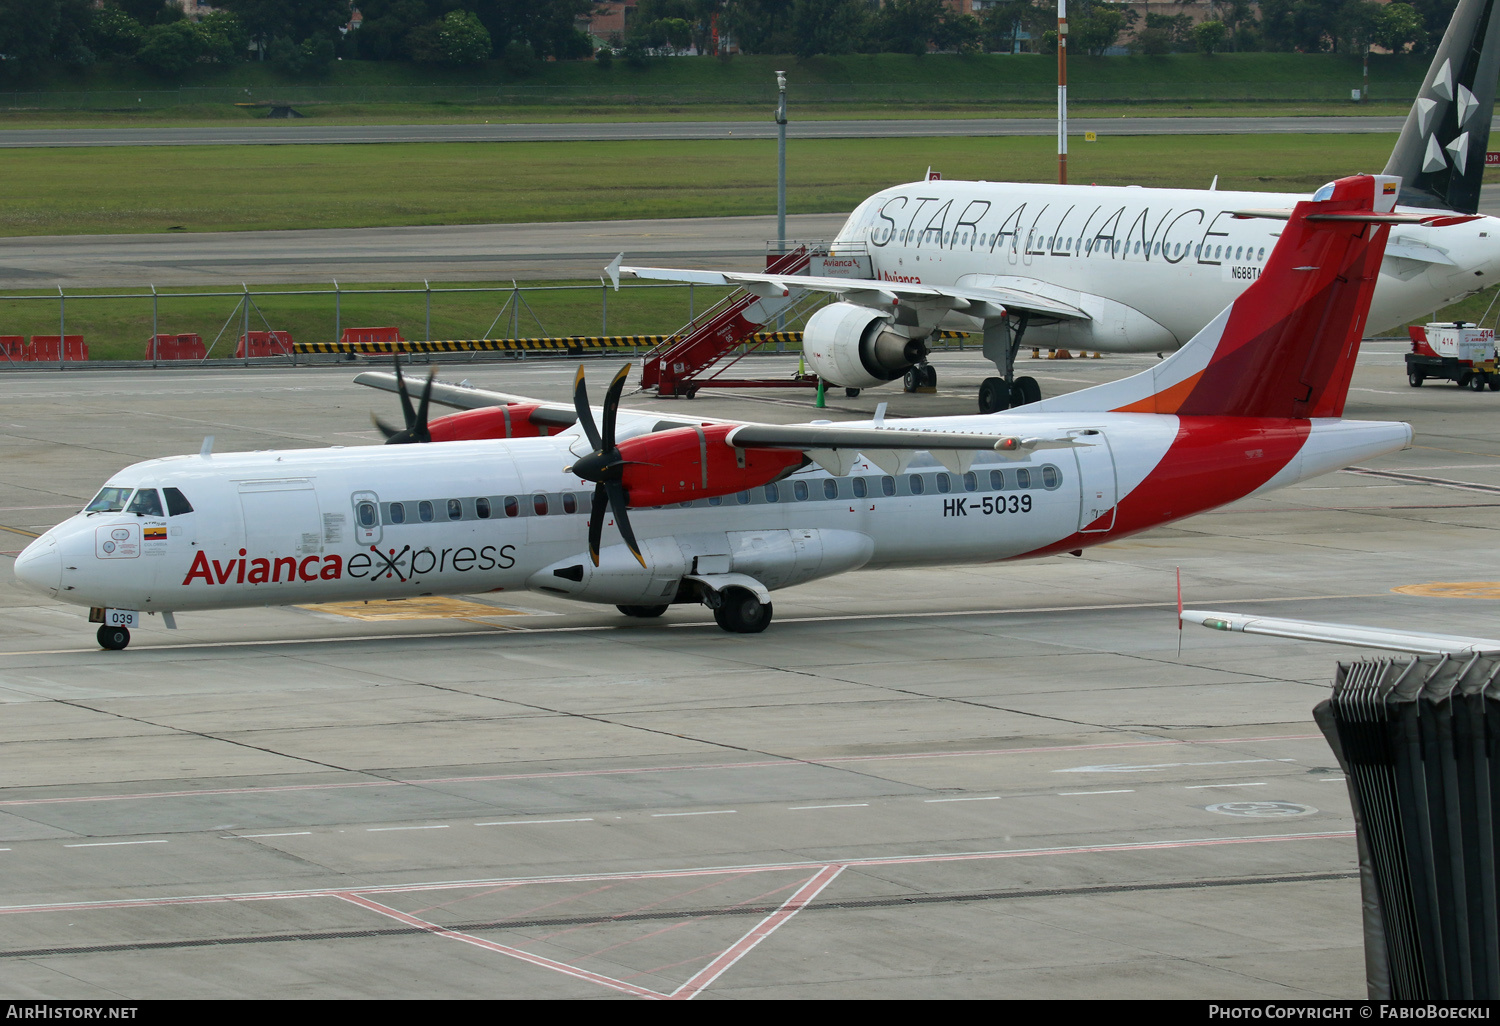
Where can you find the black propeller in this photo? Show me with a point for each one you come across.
(604, 466)
(416, 420)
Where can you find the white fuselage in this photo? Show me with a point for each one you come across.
(1150, 266)
(320, 525)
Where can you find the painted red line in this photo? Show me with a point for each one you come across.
(767, 926)
(503, 949)
(759, 764)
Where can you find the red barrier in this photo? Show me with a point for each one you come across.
(44, 348)
(265, 343)
(370, 336)
(175, 347)
(13, 347)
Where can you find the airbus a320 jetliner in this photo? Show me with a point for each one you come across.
(1121, 269)
(646, 512)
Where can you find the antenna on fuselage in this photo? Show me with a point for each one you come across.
(208, 447)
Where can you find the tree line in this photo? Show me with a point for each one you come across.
(306, 36)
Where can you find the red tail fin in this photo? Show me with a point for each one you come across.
(1289, 344)
(1286, 347)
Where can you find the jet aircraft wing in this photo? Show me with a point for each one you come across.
(881, 295)
(1342, 633)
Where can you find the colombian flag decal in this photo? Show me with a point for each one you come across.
(154, 534)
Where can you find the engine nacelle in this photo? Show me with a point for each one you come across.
(487, 422)
(689, 463)
(852, 346)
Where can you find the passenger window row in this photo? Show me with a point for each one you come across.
(483, 507)
(835, 488)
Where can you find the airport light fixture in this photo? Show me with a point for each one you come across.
(781, 162)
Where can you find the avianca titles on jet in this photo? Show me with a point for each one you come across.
(639, 513)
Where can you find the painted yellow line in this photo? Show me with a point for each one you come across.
(427, 608)
(17, 530)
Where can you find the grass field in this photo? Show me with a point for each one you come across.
(151, 189)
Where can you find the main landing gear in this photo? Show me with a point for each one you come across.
(1000, 347)
(114, 638)
(740, 612)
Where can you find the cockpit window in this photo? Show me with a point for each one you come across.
(177, 503)
(146, 503)
(109, 500)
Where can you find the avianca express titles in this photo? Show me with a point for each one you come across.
(724, 513)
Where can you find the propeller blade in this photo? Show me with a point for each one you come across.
(620, 502)
(596, 521)
(419, 429)
(406, 410)
(585, 415)
(612, 406)
(384, 428)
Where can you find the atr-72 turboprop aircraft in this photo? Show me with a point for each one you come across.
(723, 513)
(1120, 269)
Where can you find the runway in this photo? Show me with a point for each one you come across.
(480, 252)
(987, 781)
(284, 133)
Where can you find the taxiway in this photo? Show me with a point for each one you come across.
(986, 781)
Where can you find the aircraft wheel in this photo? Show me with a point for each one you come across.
(1414, 378)
(113, 638)
(929, 376)
(852, 393)
(913, 379)
(1477, 382)
(644, 612)
(994, 395)
(1026, 391)
(740, 612)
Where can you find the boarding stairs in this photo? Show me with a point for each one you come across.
(678, 367)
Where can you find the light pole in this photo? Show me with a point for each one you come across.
(1062, 92)
(781, 162)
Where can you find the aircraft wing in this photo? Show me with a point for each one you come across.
(1342, 634)
(880, 295)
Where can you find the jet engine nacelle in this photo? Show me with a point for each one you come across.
(852, 346)
(775, 558)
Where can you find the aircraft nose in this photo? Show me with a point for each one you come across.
(39, 566)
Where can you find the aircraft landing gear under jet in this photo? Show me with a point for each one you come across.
(113, 638)
(921, 378)
(1000, 347)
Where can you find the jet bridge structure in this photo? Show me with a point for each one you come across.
(1418, 738)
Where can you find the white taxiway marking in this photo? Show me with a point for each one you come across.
(1065, 794)
(1127, 768)
(1199, 787)
(711, 812)
(851, 805)
(110, 844)
(376, 830)
(986, 798)
(294, 833)
(534, 822)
